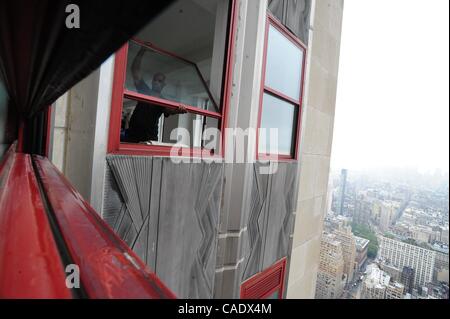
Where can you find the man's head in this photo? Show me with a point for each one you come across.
(159, 82)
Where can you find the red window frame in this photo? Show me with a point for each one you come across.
(119, 93)
(274, 22)
(258, 286)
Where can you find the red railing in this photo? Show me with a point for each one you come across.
(45, 225)
(30, 265)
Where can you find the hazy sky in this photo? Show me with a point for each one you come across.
(393, 96)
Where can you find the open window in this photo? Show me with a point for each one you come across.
(282, 93)
(171, 81)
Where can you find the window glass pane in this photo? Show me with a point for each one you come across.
(275, 295)
(146, 123)
(277, 114)
(159, 75)
(195, 30)
(284, 65)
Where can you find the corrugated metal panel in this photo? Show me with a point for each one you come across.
(270, 223)
(169, 214)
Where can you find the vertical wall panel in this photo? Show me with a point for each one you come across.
(270, 223)
(282, 200)
(256, 224)
(129, 180)
(188, 227)
(169, 215)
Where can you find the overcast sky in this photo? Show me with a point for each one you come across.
(393, 96)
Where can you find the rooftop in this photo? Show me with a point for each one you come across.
(376, 278)
(361, 243)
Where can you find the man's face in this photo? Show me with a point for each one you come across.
(159, 82)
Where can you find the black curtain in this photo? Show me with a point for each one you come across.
(41, 58)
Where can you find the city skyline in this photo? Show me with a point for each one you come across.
(405, 59)
(396, 234)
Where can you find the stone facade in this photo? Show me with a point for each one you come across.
(315, 148)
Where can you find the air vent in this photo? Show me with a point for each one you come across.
(266, 283)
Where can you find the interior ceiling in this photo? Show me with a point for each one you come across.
(186, 28)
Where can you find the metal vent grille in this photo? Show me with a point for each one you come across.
(266, 283)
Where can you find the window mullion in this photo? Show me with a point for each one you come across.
(173, 105)
(281, 96)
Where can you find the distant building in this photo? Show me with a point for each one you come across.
(331, 268)
(440, 247)
(407, 279)
(387, 214)
(379, 285)
(444, 235)
(362, 245)
(393, 271)
(401, 254)
(333, 221)
(422, 234)
(441, 273)
(436, 291)
(394, 290)
(376, 212)
(401, 230)
(374, 286)
(342, 186)
(345, 236)
(363, 210)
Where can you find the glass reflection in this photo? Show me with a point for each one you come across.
(147, 123)
(152, 73)
(284, 65)
(280, 115)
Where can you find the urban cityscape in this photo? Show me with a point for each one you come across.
(384, 238)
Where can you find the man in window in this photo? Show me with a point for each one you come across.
(144, 123)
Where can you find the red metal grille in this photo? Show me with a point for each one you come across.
(266, 283)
